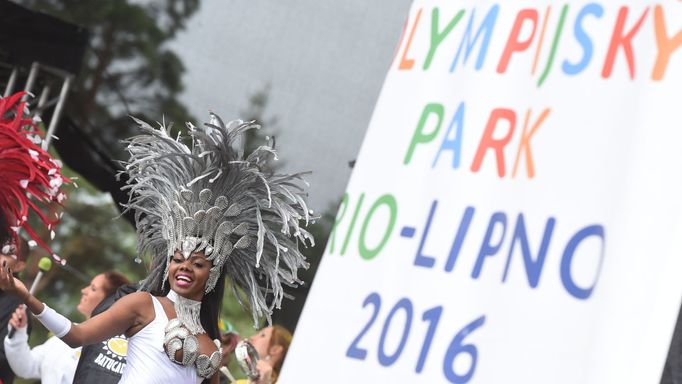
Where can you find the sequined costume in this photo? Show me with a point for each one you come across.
(209, 196)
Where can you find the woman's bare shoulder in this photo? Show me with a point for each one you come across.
(135, 300)
(138, 305)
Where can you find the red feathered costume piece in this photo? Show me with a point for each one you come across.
(30, 179)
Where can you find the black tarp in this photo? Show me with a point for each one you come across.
(27, 36)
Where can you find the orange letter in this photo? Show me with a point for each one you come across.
(524, 145)
(542, 37)
(487, 140)
(665, 46)
(406, 63)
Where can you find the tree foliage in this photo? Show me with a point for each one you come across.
(128, 68)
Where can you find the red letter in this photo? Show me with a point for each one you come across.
(513, 44)
(487, 141)
(619, 39)
(406, 63)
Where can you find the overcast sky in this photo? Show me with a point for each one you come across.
(325, 62)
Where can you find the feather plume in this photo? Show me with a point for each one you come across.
(210, 196)
(30, 179)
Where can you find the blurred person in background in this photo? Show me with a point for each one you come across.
(103, 363)
(272, 344)
(229, 339)
(8, 303)
(54, 362)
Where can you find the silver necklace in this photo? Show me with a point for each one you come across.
(188, 311)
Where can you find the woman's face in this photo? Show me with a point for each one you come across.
(92, 295)
(8, 254)
(261, 341)
(188, 277)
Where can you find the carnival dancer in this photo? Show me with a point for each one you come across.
(202, 211)
(30, 180)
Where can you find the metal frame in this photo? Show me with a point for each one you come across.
(50, 75)
(43, 101)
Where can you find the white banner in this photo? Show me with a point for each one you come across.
(514, 215)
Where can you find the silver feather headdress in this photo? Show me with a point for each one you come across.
(210, 196)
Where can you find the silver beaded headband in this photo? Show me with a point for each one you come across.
(211, 197)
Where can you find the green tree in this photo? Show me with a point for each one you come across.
(128, 68)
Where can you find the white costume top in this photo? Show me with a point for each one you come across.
(147, 361)
(53, 362)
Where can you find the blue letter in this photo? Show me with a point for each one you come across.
(487, 249)
(459, 238)
(583, 39)
(487, 25)
(454, 144)
(533, 268)
(420, 259)
(567, 259)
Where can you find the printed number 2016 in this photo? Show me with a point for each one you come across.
(431, 316)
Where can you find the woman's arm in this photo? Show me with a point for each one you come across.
(24, 362)
(131, 310)
(127, 312)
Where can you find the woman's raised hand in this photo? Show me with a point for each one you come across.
(19, 319)
(264, 371)
(11, 284)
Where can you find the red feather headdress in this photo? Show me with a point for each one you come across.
(30, 179)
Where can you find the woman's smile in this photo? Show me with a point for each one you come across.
(183, 280)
